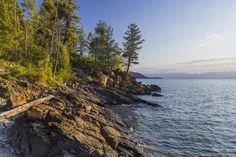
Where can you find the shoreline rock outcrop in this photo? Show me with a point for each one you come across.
(75, 121)
(72, 123)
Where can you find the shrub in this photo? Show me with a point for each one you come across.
(89, 79)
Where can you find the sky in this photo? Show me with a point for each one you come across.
(190, 36)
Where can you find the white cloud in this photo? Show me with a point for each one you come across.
(211, 40)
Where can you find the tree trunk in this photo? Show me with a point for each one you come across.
(15, 25)
(26, 40)
(128, 66)
(5, 115)
(58, 49)
(53, 31)
(66, 32)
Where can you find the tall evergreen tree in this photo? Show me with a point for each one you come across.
(99, 42)
(58, 31)
(82, 46)
(10, 28)
(133, 42)
(48, 24)
(31, 19)
(112, 49)
(68, 9)
(90, 40)
(103, 46)
(6, 27)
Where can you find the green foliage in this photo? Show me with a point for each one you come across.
(58, 30)
(62, 71)
(133, 42)
(82, 46)
(103, 47)
(44, 44)
(118, 63)
(85, 62)
(6, 27)
(10, 27)
(12, 67)
(89, 79)
(41, 42)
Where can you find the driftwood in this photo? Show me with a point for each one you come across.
(5, 115)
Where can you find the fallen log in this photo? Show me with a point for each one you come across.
(5, 115)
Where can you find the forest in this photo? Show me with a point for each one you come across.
(49, 44)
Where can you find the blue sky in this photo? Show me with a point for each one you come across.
(176, 31)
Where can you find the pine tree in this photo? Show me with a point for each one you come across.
(6, 27)
(31, 19)
(103, 46)
(48, 24)
(10, 28)
(82, 46)
(99, 42)
(58, 32)
(90, 40)
(67, 13)
(133, 41)
(112, 49)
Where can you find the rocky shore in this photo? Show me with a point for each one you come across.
(76, 121)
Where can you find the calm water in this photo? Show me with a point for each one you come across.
(196, 118)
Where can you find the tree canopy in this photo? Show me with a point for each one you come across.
(132, 43)
(50, 38)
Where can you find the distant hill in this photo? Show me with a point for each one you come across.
(210, 75)
(138, 75)
(141, 76)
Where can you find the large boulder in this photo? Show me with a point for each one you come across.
(111, 135)
(19, 93)
(103, 79)
(110, 73)
(117, 80)
(16, 98)
(110, 82)
(156, 94)
(155, 88)
(127, 78)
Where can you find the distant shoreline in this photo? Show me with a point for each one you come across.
(209, 75)
(141, 76)
(202, 78)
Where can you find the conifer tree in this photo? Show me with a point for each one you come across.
(67, 11)
(10, 28)
(112, 49)
(90, 39)
(31, 18)
(58, 32)
(6, 27)
(99, 42)
(133, 42)
(82, 46)
(103, 46)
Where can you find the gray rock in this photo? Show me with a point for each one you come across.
(156, 94)
(155, 88)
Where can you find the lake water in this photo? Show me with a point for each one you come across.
(196, 118)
